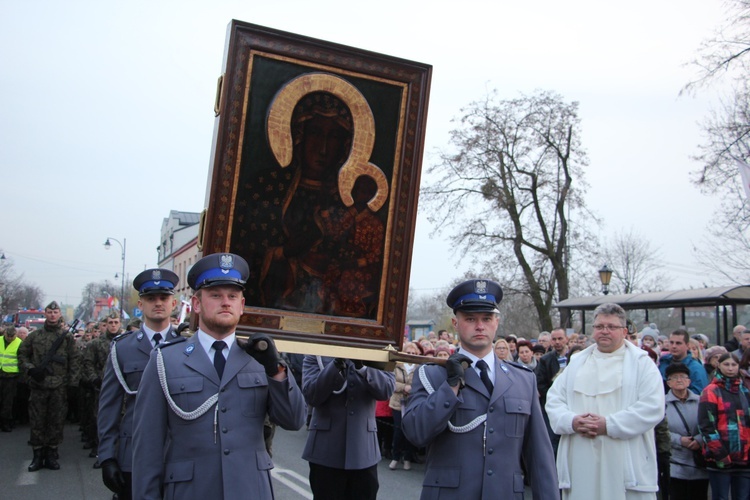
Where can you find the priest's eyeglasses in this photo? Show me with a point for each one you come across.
(609, 328)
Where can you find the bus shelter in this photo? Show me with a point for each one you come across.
(724, 301)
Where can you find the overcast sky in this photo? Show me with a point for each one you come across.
(106, 113)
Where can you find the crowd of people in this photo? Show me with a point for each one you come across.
(619, 414)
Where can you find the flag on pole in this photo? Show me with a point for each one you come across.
(745, 174)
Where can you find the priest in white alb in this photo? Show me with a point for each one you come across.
(605, 405)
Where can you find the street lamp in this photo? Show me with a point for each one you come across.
(605, 276)
(123, 246)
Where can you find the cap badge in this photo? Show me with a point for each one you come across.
(156, 274)
(226, 262)
(480, 287)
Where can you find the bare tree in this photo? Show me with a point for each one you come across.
(725, 58)
(726, 249)
(727, 140)
(635, 264)
(506, 193)
(725, 54)
(90, 293)
(15, 292)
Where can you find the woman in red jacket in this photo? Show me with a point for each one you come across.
(724, 424)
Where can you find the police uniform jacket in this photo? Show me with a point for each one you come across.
(343, 432)
(485, 462)
(199, 459)
(115, 429)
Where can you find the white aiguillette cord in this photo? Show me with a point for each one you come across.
(185, 415)
(453, 428)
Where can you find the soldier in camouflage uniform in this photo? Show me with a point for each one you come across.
(49, 373)
(94, 360)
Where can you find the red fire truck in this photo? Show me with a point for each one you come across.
(24, 317)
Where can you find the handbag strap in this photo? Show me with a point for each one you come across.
(682, 417)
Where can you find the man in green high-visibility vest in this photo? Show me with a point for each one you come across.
(9, 343)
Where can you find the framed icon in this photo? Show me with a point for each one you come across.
(314, 180)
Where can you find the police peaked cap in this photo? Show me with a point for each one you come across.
(219, 269)
(477, 295)
(153, 281)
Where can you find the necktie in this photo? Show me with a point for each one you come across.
(483, 369)
(156, 338)
(219, 359)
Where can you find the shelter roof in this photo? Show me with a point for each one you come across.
(696, 297)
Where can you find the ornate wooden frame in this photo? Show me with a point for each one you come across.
(265, 73)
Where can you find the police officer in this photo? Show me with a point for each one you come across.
(125, 363)
(51, 361)
(479, 416)
(202, 401)
(9, 344)
(342, 444)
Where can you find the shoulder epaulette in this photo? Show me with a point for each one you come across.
(169, 342)
(519, 365)
(121, 336)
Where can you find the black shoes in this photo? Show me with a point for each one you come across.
(50, 459)
(38, 461)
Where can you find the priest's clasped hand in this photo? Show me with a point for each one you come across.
(590, 425)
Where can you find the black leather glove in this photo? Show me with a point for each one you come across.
(112, 476)
(340, 364)
(37, 374)
(358, 364)
(262, 348)
(455, 366)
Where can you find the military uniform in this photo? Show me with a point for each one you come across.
(48, 399)
(92, 371)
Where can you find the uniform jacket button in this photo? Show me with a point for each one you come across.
(226, 451)
(446, 404)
